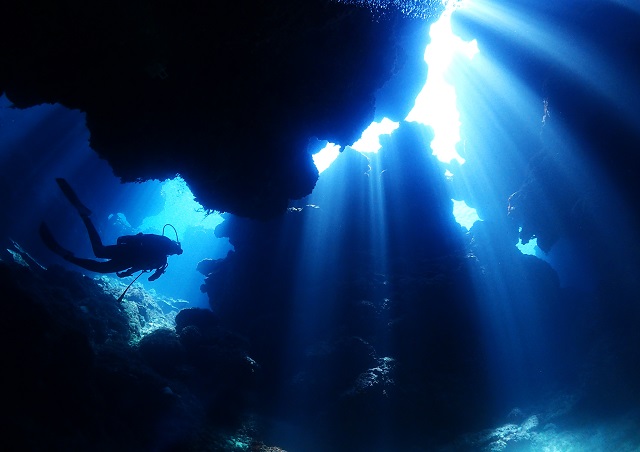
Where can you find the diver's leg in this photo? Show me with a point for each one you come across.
(89, 264)
(51, 242)
(96, 243)
(72, 197)
(99, 250)
(96, 266)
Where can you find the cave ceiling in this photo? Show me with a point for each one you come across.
(227, 95)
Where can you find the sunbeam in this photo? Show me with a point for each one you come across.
(631, 5)
(531, 32)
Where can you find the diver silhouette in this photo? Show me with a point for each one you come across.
(130, 254)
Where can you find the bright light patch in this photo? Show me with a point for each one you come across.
(325, 157)
(529, 248)
(435, 106)
(370, 139)
(181, 210)
(465, 216)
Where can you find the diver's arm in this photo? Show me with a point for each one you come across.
(125, 273)
(159, 271)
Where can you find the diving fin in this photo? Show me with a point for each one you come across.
(52, 244)
(72, 197)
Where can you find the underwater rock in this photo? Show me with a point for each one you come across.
(373, 392)
(119, 390)
(227, 95)
(162, 350)
(74, 365)
(378, 380)
(207, 266)
(203, 319)
(146, 310)
(219, 363)
(332, 367)
(548, 205)
(220, 354)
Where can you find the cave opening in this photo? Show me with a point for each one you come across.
(49, 141)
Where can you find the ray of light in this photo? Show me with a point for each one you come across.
(631, 5)
(575, 54)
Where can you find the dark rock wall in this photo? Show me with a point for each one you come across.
(227, 95)
(575, 174)
(397, 328)
(79, 378)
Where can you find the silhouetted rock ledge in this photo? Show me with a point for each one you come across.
(227, 95)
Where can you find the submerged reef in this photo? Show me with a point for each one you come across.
(88, 373)
(415, 355)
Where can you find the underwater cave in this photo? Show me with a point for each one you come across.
(335, 225)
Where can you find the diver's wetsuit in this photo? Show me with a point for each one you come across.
(132, 253)
(142, 252)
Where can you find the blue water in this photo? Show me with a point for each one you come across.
(45, 142)
(396, 308)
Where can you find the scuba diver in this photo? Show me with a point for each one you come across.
(130, 254)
